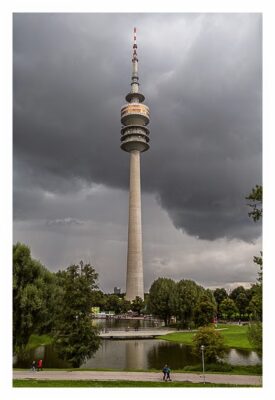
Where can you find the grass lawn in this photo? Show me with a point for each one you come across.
(235, 336)
(49, 383)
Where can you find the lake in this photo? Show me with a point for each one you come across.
(135, 354)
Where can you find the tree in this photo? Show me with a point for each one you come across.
(187, 296)
(213, 342)
(98, 299)
(204, 312)
(228, 309)
(255, 334)
(220, 294)
(137, 305)
(256, 197)
(76, 339)
(113, 303)
(161, 298)
(33, 300)
(125, 305)
(240, 296)
(255, 305)
(209, 294)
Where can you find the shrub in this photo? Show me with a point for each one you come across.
(254, 334)
(213, 342)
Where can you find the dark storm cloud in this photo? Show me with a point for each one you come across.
(201, 75)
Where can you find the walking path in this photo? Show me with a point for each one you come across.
(137, 334)
(137, 376)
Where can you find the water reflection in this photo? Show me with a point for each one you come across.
(242, 357)
(153, 354)
(174, 354)
(47, 353)
(134, 354)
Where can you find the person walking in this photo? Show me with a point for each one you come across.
(168, 374)
(164, 370)
(39, 365)
(33, 367)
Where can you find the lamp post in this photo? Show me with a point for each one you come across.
(202, 356)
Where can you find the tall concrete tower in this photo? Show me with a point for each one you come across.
(135, 117)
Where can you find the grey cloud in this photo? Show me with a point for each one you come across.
(64, 222)
(167, 251)
(201, 75)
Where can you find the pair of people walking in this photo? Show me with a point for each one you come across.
(37, 367)
(166, 373)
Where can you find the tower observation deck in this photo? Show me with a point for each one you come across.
(135, 117)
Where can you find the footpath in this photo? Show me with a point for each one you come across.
(137, 376)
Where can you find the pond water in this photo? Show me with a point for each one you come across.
(135, 354)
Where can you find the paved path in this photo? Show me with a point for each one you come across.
(142, 333)
(128, 334)
(137, 376)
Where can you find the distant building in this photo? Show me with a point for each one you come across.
(117, 290)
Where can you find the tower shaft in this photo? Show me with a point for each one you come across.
(134, 283)
(135, 117)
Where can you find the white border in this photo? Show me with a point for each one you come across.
(6, 391)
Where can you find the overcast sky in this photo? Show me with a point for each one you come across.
(201, 75)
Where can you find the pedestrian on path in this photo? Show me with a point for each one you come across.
(166, 372)
(33, 367)
(39, 365)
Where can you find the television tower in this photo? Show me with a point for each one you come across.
(135, 117)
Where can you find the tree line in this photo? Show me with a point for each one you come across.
(60, 303)
(194, 306)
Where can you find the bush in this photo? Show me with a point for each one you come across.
(213, 342)
(254, 333)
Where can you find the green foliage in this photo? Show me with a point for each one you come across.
(235, 336)
(161, 298)
(241, 298)
(220, 294)
(213, 342)
(255, 305)
(113, 303)
(137, 305)
(256, 197)
(75, 338)
(98, 299)
(187, 296)
(259, 261)
(228, 309)
(255, 335)
(204, 312)
(33, 301)
(125, 305)
(38, 340)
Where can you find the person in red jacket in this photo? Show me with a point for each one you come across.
(39, 365)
